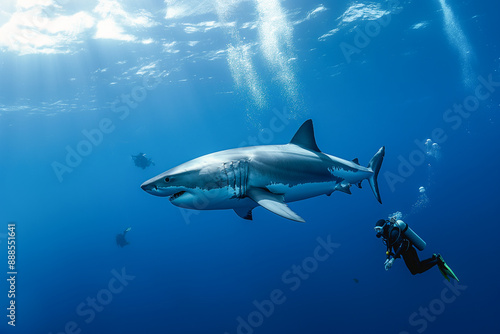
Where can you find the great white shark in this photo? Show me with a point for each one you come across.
(269, 176)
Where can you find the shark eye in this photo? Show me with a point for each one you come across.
(167, 179)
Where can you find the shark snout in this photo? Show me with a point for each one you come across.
(153, 188)
(148, 186)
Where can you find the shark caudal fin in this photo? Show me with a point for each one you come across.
(374, 165)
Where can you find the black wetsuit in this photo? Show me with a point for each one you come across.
(141, 161)
(120, 239)
(401, 246)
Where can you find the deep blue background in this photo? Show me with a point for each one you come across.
(199, 275)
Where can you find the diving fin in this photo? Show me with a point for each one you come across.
(274, 203)
(445, 269)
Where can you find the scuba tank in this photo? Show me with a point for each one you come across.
(410, 235)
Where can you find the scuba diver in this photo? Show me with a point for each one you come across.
(141, 161)
(401, 241)
(120, 238)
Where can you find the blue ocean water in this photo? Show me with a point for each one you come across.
(86, 84)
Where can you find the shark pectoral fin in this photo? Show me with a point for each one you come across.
(245, 213)
(273, 203)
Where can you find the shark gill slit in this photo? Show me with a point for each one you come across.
(244, 178)
(235, 172)
(236, 177)
(224, 169)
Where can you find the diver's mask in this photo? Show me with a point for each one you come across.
(379, 230)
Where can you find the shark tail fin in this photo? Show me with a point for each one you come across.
(374, 165)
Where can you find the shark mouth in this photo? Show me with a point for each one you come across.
(176, 195)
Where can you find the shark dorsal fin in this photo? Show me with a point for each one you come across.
(304, 137)
(355, 160)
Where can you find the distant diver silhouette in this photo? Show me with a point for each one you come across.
(120, 238)
(141, 161)
(401, 239)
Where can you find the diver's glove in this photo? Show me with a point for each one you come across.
(388, 263)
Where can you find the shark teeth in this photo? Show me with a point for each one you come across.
(176, 195)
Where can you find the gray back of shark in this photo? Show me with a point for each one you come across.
(270, 176)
